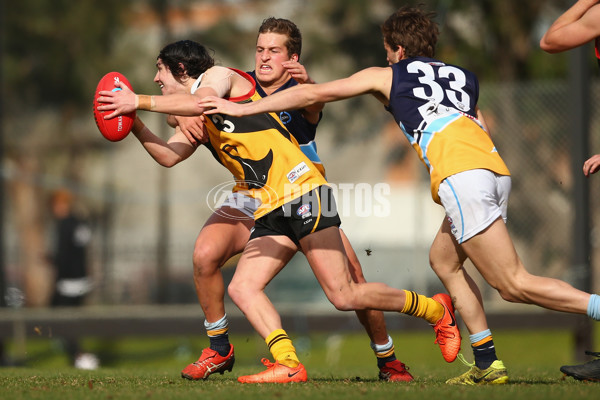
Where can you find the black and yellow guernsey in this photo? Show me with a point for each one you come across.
(264, 158)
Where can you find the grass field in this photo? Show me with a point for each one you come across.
(340, 366)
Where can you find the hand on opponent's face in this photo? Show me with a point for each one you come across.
(297, 71)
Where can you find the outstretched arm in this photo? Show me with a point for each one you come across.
(376, 81)
(578, 25)
(167, 154)
(125, 101)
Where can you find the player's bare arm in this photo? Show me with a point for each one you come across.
(376, 81)
(167, 154)
(218, 81)
(577, 26)
(125, 101)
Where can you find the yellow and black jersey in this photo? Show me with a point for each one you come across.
(262, 155)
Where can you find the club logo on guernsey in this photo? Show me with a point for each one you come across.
(452, 226)
(304, 211)
(285, 117)
(297, 172)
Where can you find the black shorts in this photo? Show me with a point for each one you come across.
(309, 213)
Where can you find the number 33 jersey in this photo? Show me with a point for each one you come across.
(435, 106)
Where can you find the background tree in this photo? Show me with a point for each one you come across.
(55, 52)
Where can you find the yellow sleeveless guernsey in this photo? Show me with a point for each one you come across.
(264, 158)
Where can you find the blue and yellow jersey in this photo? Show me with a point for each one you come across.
(435, 106)
(262, 155)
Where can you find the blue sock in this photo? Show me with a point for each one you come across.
(218, 334)
(384, 352)
(483, 347)
(593, 309)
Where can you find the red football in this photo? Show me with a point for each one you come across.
(118, 128)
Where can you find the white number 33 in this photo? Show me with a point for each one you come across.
(433, 92)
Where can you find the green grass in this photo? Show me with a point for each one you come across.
(340, 366)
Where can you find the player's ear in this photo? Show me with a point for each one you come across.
(183, 69)
(294, 57)
(400, 52)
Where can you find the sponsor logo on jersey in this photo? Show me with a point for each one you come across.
(297, 172)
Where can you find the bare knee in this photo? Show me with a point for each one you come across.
(506, 293)
(206, 260)
(233, 291)
(436, 266)
(511, 295)
(443, 268)
(238, 293)
(342, 300)
(342, 304)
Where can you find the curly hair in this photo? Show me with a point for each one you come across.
(287, 28)
(186, 57)
(413, 29)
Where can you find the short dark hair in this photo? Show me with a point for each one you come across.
(287, 28)
(413, 29)
(186, 57)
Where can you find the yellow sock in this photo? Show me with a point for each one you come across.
(424, 307)
(280, 345)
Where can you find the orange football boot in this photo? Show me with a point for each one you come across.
(276, 373)
(395, 371)
(447, 334)
(210, 362)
